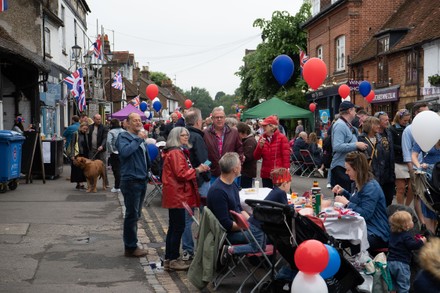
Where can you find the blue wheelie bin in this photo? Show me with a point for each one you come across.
(10, 159)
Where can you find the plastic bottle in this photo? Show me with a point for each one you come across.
(316, 197)
(257, 185)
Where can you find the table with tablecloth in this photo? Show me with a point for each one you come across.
(252, 193)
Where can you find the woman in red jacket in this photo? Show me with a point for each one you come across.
(273, 148)
(179, 185)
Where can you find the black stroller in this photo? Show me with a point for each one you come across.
(429, 191)
(286, 229)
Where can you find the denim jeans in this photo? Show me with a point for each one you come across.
(134, 195)
(252, 247)
(187, 238)
(400, 273)
(238, 237)
(175, 232)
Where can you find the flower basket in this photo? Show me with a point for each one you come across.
(434, 80)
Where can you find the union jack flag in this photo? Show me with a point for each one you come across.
(302, 58)
(117, 81)
(3, 5)
(136, 101)
(75, 83)
(97, 47)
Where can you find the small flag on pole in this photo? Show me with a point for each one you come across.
(75, 83)
(117, 81)
(302, 58)
(97, 47)
(3, 5)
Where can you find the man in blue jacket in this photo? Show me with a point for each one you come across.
(344, 140)
(135, 163)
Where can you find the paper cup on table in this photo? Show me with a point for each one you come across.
(338, 205)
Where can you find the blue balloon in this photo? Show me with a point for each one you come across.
(282, 68)
(364, 88)
(334, 263)
(157, 106)
(153, 151)
(143, 106)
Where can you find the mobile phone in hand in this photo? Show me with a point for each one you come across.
(207, 163)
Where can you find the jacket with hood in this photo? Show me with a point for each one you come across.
(179, 183)
(428, 278)
(275, 153)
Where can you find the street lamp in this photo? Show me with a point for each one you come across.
(138, 84)
(76, 53)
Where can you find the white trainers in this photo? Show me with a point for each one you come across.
(115, 190)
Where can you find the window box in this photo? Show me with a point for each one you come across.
(434, 80)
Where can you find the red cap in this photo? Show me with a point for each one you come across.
(270, 120)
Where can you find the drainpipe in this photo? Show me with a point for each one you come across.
(418, 74)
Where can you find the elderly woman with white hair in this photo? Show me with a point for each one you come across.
(179, 186)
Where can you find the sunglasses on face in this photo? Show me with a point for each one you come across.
(403, 112)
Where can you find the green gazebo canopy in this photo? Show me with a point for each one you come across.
(275, 106)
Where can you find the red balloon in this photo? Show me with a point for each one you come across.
(188, 103)
(179, 115)
(370, 96)
(314, 72)
(152, 91)
(311, 256)
(344, 91)
(312, 107)
(238, 115)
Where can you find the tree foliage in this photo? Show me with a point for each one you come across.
(201, 99)
(281, 35)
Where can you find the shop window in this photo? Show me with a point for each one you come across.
(411, 67)
(340, 53)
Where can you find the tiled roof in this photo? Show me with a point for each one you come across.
(9, 46)
(422, 18)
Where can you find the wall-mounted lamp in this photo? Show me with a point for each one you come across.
(76, 52)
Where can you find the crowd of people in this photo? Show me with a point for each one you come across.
(368, 163)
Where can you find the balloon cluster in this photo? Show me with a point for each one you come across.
(366, 92)
(152, 91)
(315, 261)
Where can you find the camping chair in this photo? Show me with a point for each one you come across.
(308, 162)
(295, 164)
(157, 188)
(263, 254)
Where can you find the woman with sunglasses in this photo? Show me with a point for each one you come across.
(400, 121)
(368, 200)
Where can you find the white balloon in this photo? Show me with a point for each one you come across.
(426, 129)
(222, 107)
(154, 100)
(348, 99)
(306, 283)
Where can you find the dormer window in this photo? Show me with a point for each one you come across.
(383, 45)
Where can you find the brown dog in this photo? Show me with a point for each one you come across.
(92, 170)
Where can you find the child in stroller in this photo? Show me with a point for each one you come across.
(286, 229)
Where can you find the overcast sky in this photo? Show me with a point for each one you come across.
(194, 42)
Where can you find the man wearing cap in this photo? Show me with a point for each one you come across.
(273, 148)
(221, 139)
(344, 140)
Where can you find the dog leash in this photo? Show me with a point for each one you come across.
(93, 157)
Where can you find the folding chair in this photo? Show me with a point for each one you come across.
(262, 254)
(295, 164)
(309, 164)
(157, 188)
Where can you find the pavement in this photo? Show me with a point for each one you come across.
(54, 238)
